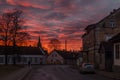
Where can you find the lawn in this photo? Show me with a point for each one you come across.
(5, 70)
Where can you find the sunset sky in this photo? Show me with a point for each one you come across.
(60, 19)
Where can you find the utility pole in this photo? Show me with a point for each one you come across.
(66, 45)
(39, 42)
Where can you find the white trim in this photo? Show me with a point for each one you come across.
(116, 61)
(42, 50)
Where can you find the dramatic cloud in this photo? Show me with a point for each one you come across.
(56, 16)
(62, 19)
(29, 3)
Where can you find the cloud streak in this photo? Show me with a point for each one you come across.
(62, 19)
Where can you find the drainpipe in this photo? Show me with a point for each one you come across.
(94, 48)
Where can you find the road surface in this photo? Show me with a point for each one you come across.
(60, 72)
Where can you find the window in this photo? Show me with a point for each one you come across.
(1, 59)
(55, 55)
(100, 58)
(36, 59)
(30, 58)
(117, 51)
(112, 23)
(51, 60)
(52, 55)
(41, 60)
(9, 59)
(24, 59)
(103, 25)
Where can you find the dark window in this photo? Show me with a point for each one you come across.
(30, 58)
(52, 55)
(8, 59)
(24, 59)
(117, 51)
(51, 60)
(1, 59)
(36, 59)
(103, 25)
(100, 58)
(112, 23)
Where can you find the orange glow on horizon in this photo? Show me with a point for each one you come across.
(70, 46)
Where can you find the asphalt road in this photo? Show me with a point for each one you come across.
(60, 72)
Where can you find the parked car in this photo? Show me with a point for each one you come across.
(87, 68)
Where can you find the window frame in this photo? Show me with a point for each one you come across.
(112, 23)
(1, 59)
(117, 50)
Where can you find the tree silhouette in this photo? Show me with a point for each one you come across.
(54, 44)
(5, 28)
(12, 30)
(18, 32)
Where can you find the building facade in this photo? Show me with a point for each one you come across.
(55, 58)
(106, 56)
(24, 55)
(99, 32)
(116, 46)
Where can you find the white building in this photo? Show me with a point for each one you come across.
(55, 58)
(23, 55)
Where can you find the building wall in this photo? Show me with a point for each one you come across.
(102, 59)
(116, 60)
(116, 66)
(24, 59)
(34, 59)
(55, 58)
(88, 45)
(102, 32)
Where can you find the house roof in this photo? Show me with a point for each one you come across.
(89, 27)
(22, 50)
(111, 13)
(115, 38)
(66, 54)
(92, 26)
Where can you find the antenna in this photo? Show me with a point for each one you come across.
(66, 45)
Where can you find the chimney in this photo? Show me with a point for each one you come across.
(114, 10)
(66, 45)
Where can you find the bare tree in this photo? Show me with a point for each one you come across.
(5, 28)
(12, 29)
(54, 44)
(17, 33)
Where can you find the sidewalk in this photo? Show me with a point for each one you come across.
(113, 75)
(17, 75)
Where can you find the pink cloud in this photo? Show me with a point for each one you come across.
(26, 3)
(62, 19)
